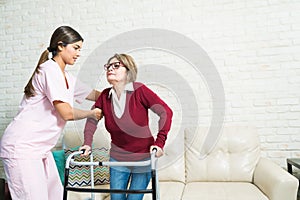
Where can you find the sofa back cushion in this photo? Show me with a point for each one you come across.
(233, 158)
(171, 166)
(73, 139)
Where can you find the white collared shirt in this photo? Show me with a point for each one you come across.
(119, 104)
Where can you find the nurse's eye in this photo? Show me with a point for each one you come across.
(77, 47)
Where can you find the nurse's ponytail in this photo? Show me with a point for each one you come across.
(29, 89)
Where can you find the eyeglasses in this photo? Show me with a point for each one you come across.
(114, 65)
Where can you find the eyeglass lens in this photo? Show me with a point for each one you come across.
(114, 65)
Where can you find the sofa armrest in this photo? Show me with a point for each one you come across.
(274, 181)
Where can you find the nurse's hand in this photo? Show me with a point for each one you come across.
(86, 149)
(97, 114)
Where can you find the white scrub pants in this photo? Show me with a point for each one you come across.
(33, 179)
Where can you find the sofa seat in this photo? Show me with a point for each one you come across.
(170, 190)
(222, 191)
(85, 195)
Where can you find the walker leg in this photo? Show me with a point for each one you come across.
(153, 173)
(65, 197)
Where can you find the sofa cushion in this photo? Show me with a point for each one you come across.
(171, 166)
(222, 190)
(59, 157)
(85, 195)
(233, 158)
(73, 139)
(168, 191)
(81, 175)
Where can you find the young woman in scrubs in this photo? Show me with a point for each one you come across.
(25, 147)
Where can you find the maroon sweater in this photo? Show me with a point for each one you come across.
(131, 137)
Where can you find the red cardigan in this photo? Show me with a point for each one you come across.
(131, 137)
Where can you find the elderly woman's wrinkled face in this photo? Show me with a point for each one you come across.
(116, 72)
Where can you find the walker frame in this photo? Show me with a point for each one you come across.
(70, 160)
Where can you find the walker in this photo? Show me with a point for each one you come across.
(153, 162)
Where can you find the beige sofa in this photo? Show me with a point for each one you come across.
(234, 170)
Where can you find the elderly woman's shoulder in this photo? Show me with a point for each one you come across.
(137, 84)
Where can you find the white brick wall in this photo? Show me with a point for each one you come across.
(254, 45)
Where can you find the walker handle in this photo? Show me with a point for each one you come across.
(154, 150)
(83, 151)
(153, 158)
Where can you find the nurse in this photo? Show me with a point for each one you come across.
(47, 104)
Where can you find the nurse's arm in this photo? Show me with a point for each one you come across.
(68, 113)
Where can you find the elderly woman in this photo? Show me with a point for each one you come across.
(125, 108)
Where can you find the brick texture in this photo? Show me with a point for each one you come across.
(254, 46)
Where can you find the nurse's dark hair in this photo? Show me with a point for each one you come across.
(62, 36)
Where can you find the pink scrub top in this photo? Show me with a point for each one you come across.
(36, 128)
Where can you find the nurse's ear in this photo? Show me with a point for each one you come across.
(61, 45)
